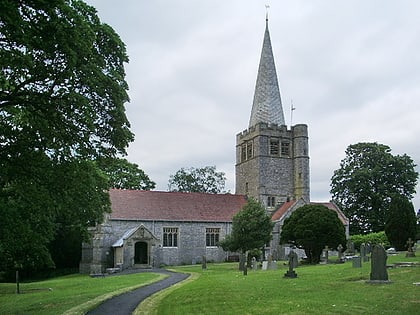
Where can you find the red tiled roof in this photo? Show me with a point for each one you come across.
(174, 206)
(282, 210)
(287, 205)
(332, 206)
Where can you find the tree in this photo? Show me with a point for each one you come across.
(313, 227)
(125, 175)
(418, 225)
(62, 95)
(204, 180)
(251, 229)
(401, 222)
(367, 177)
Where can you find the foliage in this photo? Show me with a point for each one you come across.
(365, 181)
(313, 227)
(203, 180)
(401, 222)
(372, 238)
(251, 229)
(61, 107)
(125, 175)
(418, 225)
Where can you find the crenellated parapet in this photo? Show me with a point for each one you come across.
(264, 128)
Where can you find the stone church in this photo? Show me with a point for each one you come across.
(154, 228)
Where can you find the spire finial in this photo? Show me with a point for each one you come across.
(266, 12)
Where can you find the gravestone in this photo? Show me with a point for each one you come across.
(273, 265)
(363, 253)
(362, 250)
(325, 252)
(350, 248)
(357, 262)
(378, 272)
(410, 250)
(264, 265)
(293, 262)
(254, 263)
(368, 248)
(340, 253)
(204, 263)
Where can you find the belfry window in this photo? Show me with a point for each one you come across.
(271, 201)
(247, 151)
(285, 148)
(170, 237)
(212, 236)
(243, 152)
(274, 146)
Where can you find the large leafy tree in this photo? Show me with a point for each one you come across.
(204, 180)
(313, 227)
(251, 229)
(401, 222)
(123, 174)
(62, 95)
(365, 181)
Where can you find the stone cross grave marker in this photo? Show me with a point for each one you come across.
(340, 253)
(350, 248)
(410, 251)
(293, 262)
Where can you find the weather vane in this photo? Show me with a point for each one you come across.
(292, 108)
(266, 11)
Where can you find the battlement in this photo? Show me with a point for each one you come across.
(300, 130)
(263, 128)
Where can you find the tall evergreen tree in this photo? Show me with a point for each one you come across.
(313, 227)
(401, 222)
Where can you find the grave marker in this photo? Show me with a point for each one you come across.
(293, 262)
(378, 271)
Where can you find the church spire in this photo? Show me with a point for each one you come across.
(267, 106)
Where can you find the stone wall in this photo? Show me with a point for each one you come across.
(284, 176)
(98, 255)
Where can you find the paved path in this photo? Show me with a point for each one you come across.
(126, 303)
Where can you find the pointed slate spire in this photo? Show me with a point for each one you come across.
(267, 106)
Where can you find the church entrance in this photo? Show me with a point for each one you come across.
(141, 253)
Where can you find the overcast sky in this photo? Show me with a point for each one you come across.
(351, 69)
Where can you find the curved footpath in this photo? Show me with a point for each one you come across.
(126, 303)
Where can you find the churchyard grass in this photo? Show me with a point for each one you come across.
(74, 293)
(320, 289)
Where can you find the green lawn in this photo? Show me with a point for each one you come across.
(222, 289)
(321, 289)
(77, 293)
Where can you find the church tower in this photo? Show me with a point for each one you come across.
(272, 161)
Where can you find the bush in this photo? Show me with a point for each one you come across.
(372, 238)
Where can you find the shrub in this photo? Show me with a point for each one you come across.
(372, 238)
